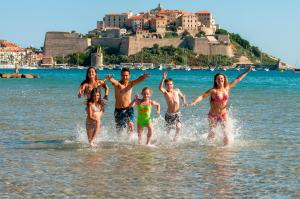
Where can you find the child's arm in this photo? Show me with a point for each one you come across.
(201, 97)
(134, 102)
(240, 77)
(182, 97)
(154, 103)
(161, 88)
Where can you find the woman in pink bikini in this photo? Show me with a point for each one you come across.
(219, 96)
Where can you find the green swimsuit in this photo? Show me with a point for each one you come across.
(144, 115)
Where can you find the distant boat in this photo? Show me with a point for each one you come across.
(81, 67)
(187, 68)
(237, 68)
(212, 69)
(223, 68)
(143, 68)
(160, 67)
(266, 69)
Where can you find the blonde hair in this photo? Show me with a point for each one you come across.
(147, 88)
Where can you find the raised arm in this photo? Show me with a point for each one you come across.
(106, 89)
(139, 79)
(182, 97)
(112, 80)
(201, 97)
(161, 88)
(154, 103)
(240, 77)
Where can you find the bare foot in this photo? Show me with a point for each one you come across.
(93, 143)
(151, 145)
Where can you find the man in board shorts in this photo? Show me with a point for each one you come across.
(124, 115)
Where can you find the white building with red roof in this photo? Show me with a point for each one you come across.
(11, 53)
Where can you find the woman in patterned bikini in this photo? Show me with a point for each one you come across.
(219, 96)
(91, 81)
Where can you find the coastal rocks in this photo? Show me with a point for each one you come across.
(17, 75)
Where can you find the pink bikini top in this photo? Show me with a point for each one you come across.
(220, 97)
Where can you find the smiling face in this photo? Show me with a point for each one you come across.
(220, 81)
(125, 75)
(92, 73)
(96, 97)
(169, 85)
(146, 93)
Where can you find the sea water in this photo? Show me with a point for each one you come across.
(44, 151)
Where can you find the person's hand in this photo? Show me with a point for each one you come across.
(157, 112)
(165, 74)
(193, 104)
(136, 98)
(105, 97)
(108, 77)
(79, 95)
(250, 68)
(185, 105)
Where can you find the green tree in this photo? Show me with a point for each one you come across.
(200, 34)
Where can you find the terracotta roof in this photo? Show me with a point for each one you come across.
(187, 12)
(6, 46)
(170, 11)
(40, 56)
(203, 12)
(136, 17)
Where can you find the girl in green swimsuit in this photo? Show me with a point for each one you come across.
(144, 107)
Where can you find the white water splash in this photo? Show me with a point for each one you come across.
(194, 130)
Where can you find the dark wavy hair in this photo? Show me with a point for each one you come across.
(87, 79)
(100, 101)
(225, 80)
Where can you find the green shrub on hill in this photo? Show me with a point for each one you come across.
(243, 47)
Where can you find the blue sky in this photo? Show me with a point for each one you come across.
(272, 25)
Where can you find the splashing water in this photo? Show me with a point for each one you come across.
(193, 131)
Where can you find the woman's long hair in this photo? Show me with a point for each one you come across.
(100, 101)
(87, 79)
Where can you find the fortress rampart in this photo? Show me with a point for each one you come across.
(64, 43)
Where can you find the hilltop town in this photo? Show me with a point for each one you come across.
(128, 34)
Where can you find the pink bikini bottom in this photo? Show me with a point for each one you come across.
(217, 117)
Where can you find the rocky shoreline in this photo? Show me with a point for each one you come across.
(18, 75)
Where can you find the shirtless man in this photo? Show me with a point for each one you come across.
(124, 115)
(172, 95)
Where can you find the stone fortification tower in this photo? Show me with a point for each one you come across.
(97, 58)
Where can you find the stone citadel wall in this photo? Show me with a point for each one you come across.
(64, 43)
